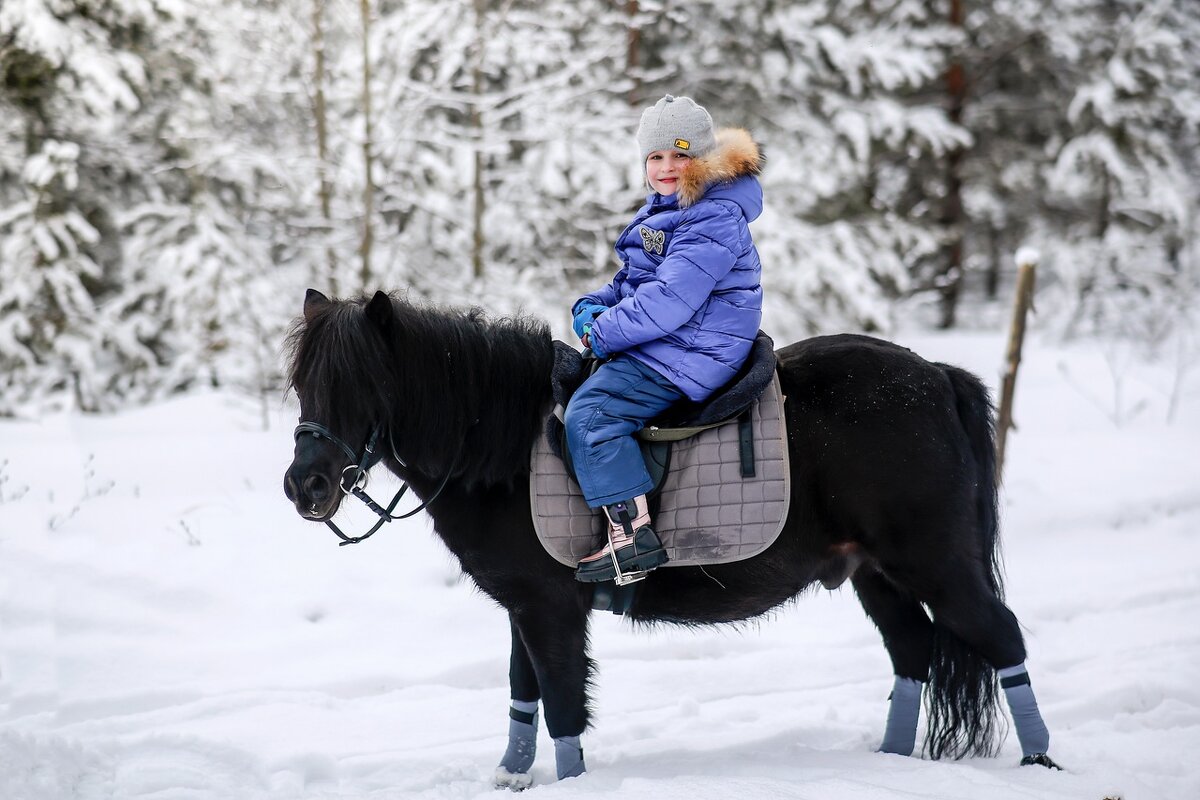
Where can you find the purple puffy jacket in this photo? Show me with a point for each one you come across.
(688, 300)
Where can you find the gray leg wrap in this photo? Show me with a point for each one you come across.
(905, 709)
(568, 756)
(1031, 730)
(522, 737)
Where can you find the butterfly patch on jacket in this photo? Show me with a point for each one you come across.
(652, 240)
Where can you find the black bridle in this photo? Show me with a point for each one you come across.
(354, 477)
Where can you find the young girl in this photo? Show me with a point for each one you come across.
(677, 321)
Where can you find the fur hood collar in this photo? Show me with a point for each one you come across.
(735, 155)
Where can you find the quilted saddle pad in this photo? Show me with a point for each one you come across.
(708, 513)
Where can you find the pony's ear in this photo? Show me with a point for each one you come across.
(314, 301)
(379, 311)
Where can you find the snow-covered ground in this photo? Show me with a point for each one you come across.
(170, 629)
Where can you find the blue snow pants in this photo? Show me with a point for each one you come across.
(602, 416)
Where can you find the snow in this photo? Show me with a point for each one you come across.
(1027, 255)
(170, 629)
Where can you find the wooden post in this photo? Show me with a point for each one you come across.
(1026, 272)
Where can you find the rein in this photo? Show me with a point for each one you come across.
(355, 483)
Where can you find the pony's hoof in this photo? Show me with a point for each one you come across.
(516, 781)
(1041, 760)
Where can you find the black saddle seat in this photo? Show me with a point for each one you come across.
(685, 418)
(571, 369)
(731, 399)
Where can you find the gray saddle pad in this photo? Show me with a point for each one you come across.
(708, 513)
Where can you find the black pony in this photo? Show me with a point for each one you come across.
(893, 484)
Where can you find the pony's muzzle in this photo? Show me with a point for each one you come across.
(313, 493)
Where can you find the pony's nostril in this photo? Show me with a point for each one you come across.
(289, 486)
(316, 487)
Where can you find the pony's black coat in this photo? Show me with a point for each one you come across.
(892, 483)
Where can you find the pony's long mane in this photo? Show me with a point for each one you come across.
(438, 377)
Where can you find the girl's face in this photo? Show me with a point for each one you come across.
(664, 168)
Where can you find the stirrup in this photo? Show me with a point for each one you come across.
(638, 563)
(625, 578)
(634, 575)
(612, 570)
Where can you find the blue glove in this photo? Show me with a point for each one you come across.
(585, 316)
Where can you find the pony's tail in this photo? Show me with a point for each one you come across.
(963, 701)
(975, 413)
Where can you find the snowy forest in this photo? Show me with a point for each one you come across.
(174, 173)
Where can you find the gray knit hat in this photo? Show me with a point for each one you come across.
(676, 123)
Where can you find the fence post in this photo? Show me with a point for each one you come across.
(1027, 260)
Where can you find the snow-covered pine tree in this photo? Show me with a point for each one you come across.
(1123, 180)
(47, 312)
(1014, 91)
(72, 74)
(201, 293)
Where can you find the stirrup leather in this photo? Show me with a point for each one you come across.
(619, 577)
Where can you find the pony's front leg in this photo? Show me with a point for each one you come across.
(555, 639)
(513, 772)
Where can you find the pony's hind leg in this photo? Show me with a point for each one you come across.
(974, 614)
(1032, 732)
(513, 771)
(908, 636)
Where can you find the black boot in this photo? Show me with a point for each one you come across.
(636, 546)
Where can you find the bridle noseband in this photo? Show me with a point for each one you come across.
(354, 476)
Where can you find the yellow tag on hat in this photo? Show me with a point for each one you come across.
(683, 144)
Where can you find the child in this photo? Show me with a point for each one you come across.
(677, 321)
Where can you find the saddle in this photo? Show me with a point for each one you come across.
(720, 469)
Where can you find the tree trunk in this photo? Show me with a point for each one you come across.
(992, 288)
(953, 219)
(479, 205)
(633, 48)
(324, 190)
(368, 149)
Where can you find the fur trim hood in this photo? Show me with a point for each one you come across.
(736, 155)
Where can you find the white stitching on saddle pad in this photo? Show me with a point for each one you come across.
(709, 513)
